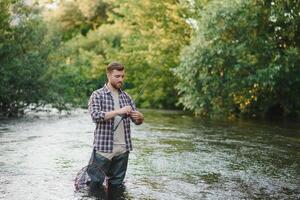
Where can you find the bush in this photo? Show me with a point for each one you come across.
(243, 59)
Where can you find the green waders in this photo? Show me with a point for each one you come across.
(115, 169)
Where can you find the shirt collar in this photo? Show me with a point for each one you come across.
(106, 89)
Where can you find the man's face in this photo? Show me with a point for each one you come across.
(116, 78)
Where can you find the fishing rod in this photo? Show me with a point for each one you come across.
(137, 98)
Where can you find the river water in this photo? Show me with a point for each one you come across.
(176, 156)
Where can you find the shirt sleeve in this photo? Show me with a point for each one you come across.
(132, 104)
(95, 108)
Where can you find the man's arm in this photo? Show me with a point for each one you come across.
(111, 114)
(94, 107)
(137, 117)
(98, 115)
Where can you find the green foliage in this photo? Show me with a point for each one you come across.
(78, 17)
(243, 59)
(23, 58)
(146, 36)
(153, 34)
(70, 74)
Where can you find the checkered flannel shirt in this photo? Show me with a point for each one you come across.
(101, 101)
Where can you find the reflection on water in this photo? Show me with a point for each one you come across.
(176, 156)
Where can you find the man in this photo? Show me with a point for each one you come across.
(112, 109)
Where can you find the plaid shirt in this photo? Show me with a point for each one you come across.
(101, 101)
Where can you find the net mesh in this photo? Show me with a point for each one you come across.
(91, 172)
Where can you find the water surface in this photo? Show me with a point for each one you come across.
(176, 156)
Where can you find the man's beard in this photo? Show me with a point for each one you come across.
(117, 85)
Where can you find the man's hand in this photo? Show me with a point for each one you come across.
(137, 117)
(125, 110)
(122, 112)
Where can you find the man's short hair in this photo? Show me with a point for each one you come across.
(114, 66)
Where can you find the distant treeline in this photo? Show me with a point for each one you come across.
(212, 57)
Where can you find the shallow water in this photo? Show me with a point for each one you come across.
(176, 156)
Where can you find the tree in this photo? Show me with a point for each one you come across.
(77, 17)
(146, 36)
(243, 59)
(152, 35)
(70, 75)
(23, 58)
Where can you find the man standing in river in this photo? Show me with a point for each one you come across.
(111, 110)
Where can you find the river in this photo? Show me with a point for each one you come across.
(175, 156)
